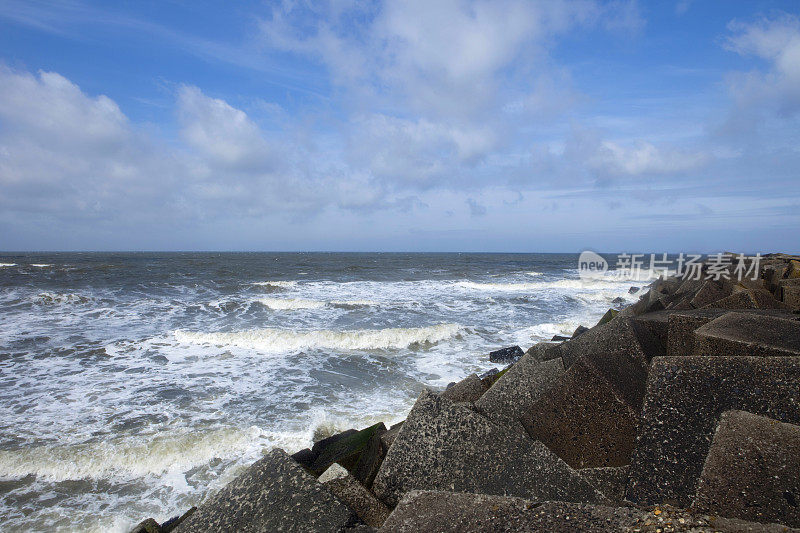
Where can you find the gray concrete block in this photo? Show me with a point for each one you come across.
(515, 392)
(584, 420)
(748, 334)
(444, 512)
(752, 470)
(685, 398)
(469, 389)
(621, 351)
(274, 494)
(355, 495)
(446, 446)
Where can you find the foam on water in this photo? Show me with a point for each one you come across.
(128, 457)
(277, 340)
(283, 304)
(3, 265)
(61, 298)
(280, 284)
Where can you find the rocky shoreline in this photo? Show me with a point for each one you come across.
(680, 412)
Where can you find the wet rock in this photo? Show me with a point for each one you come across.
(173, 523)
(579, 330)
(387, 438)
(544, 351)
(347, 488)
(516, 391)
(583, 419)
(610, 480)
(748, 334)
(608, 317)
(685, 398)
(618, 300)
(305, 457)
(370, 459)
(147, 526)
(445, 512)
(633, 290)
(560, 338)
(489, 373)
(446, 446)
(751, 471)
(469, 389)
(506, 355)
(344, 448)
(274, 494)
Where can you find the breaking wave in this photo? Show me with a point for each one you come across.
(277, 284)
(280, 340)
(2, 265)
(353, 304)
(280, 304)
(540, 285)
(51, 298)
(125, 458)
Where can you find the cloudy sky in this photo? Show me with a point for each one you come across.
(420, 125)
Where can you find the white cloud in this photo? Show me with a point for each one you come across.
(73, 156)
(643, 158)
(221, 132)
(776, 40)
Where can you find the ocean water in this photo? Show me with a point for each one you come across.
(132, 385)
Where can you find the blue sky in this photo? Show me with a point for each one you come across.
(502, 125)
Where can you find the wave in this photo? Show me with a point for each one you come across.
(278, 284)
(284, 304)
(546, 331)
(534, 273)
(280, 340)
(280, 304)
(51, 298)
(126, 458)
(353, 304)
(40, 265)
(499, 286)
(2, 265)
(592, 284)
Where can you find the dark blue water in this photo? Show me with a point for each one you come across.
(133, 384)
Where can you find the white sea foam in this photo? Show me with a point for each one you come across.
(281, 304)
(534, 273)
(50, 298)
(279, 284)
(499, 286)
(126, 458)
(546, 331)
(280, 340)
(40, 265)
(2, 265)
(349, 304)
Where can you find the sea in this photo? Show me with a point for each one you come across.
(133, 385)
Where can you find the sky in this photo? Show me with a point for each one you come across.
(409, 125)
